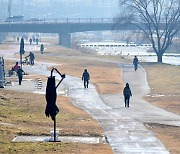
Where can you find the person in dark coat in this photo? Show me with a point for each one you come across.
(127, 93)
(86, 78)
(20, 74)
(135, 62)
(42, 48)
(37, 41)
(30, 41)
(31, 57)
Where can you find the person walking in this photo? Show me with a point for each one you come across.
(86, 78)
(37, 41)
(135, 62)
(33, 39)
(30, 41)
(20, 74)
(127, 94)
(42, 48)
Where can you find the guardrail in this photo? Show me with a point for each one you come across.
(61, 20)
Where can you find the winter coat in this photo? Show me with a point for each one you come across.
(85, 76)
(127, 91)
(31, 55)
(20, 72)
(135, 61)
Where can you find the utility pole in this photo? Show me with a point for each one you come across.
(9, 7)
(1, 9)
(36, 9)
(22, 9)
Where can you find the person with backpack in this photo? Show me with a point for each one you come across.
(127, 94)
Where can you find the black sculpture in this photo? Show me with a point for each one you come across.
(51, 95)
(21, 51)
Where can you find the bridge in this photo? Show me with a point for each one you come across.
(65, 26)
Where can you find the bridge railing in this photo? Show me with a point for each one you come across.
(62, 20)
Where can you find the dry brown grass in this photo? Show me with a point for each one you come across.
(28, 118)
(4, 46)
(105, 76)
(169, 135)
(23, 110)
(169, 103)
(165, 80)
(26, 114)
(9, 64)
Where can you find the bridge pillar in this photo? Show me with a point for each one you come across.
(2, 36)
(65, 40)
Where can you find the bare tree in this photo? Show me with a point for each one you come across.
(158, 19)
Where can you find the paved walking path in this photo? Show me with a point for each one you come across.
(123, 126)
(139, 109)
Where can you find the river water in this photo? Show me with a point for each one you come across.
(140, 52)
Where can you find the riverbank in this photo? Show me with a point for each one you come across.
(129, 53)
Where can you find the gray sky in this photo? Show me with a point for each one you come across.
(61, 8)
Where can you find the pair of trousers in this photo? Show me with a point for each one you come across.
(86, 82)
(20, 79)
(32, 61)
(135, 66)
(126, 100)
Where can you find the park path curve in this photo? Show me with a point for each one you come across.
(124, 134)
(123, 128)
(140, 109)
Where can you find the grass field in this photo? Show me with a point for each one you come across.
(164, 81)
(27, 117)
(22, 114)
